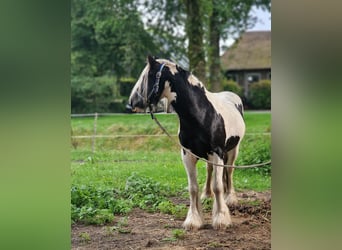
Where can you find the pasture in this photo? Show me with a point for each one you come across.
(138, 167)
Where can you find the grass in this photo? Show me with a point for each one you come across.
(177, 234)
(141, 124)
(100, 179)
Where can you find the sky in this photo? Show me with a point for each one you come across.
(263, 23)
(264, 19)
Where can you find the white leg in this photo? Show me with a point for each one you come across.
(221, 215)
(230, 197)
(207, 191)
(193, 219)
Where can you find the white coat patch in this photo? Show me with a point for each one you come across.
(171, 96)
(193, 80)
(172, 66)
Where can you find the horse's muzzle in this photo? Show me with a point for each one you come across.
(129, 108)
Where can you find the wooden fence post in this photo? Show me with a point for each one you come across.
(94, 134)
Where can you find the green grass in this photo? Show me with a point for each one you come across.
(152, 161)
(142, 124)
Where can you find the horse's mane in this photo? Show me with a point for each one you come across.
(168, 63)
(192, 79)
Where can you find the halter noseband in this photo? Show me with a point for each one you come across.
(155, 88)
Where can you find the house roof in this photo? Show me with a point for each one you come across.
(251, 51)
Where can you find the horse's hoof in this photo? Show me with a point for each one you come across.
(191, 227)
(193, 223)
(221, 220)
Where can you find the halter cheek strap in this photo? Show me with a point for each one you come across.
(155, 88)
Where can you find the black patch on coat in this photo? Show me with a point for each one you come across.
(183, 72)
(202, 128)
(232, 142)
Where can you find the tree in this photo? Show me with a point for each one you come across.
(165, 21)
(206, 24)
(108, 42)
(195, 34)
(228, 17)
(108, 37)
(113, 37)
(179, 24)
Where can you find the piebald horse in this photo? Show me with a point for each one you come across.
(211, 126)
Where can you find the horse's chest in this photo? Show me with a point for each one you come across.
(203, 140)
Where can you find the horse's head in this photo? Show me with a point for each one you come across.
(149, 88)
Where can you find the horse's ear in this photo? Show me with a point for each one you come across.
(151, 60)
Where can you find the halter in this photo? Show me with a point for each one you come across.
(155, 88)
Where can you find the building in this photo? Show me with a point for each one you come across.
(248, 60)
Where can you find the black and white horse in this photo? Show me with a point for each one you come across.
(211, 127)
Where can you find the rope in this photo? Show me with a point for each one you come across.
(203, 159)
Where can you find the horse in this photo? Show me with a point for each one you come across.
(211, 126)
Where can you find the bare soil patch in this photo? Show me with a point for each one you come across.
(251, 229)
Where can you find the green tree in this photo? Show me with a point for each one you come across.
(165, 21)
(202, 24)
(108, 37)
(228, 17)
(108, 42)
(195, 34)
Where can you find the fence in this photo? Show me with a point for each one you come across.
(95, 135)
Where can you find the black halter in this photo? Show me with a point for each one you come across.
(155, 88)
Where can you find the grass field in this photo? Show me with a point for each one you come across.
(136, 155)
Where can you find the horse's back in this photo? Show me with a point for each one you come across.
(229, 105)
(229, 97)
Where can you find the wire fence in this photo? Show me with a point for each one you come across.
(95, 136)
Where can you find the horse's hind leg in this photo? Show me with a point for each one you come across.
(207, 190)
(230, 195)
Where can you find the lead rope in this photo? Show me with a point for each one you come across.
(203, 159)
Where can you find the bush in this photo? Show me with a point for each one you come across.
(91, 94)
(250, 154)
(229, 85)
(99, 94)
(126, 86)
(93, 206)
(144, 192)
(259, 96)
(118, 106)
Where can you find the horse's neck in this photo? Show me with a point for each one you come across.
(190, 104)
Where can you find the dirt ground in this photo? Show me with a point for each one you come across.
(251, 229)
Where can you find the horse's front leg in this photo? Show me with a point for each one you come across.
(193, 219)
(221, 215)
